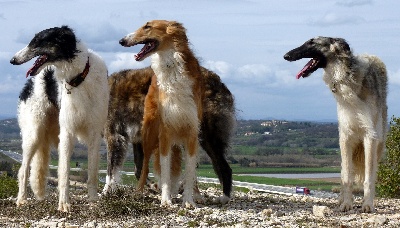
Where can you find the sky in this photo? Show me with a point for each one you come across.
(243, 41)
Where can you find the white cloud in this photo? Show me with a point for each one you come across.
(123, 60)
(257, 73)
(351, 3)
(260, 75)
(9, 85)
(394, 77)
(332, 19)
(223, 69)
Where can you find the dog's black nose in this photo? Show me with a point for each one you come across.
(13, 61)
(287, 57)
(122, 42)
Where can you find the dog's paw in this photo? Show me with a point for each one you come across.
(64, 207)
(166, 202)
(21, 202)
(189, 204)
(93, 198)
(346, 206)
(222, 199)
(367, 208)
(198, 198)
(107, 189)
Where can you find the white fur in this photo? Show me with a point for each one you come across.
(178, 110)
(82, 116)
(37, 119)
(359, 120)
(178, 107)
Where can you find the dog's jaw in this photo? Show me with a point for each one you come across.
(309, 68)
(317, 60)
(149, 47)
(42, 59)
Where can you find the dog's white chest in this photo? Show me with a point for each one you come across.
(177, 105)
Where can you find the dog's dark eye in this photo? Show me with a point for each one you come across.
(146, 27)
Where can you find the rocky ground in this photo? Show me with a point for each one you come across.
(126, 208)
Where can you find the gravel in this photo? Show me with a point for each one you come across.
(127, 208)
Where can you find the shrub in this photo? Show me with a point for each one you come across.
(389, 168)
(8, 186)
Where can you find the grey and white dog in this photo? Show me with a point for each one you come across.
(359, 85)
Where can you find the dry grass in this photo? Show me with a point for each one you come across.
(121, 203)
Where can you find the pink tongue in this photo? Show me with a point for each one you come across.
(305, 68)
(29, 71)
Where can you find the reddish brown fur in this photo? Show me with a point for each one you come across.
(156, 132)
(128, 89)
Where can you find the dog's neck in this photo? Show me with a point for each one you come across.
(67, 70)
(340, 72)
(169, 67)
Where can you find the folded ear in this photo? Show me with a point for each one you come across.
(339, 45)
(177, 30)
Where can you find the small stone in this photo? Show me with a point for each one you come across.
(321, 211)
(377, 220)
(279, 213)
(266, 212)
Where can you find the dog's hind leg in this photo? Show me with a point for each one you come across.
(116, 153)
(93, 166)
(65, 151)
(138, 158)
(371, 165)
(39, 170)
(150, 143)
(215, 149)
(224, 173)
(29, 150)
(175, 168)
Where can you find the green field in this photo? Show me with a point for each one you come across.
(207, 171)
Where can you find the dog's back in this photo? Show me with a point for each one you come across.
(128, 89)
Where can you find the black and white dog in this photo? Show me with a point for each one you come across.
(80, 106)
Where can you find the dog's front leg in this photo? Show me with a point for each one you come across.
(190, 171)
(347, 174)
(371, 166)
(65, 151)
(165, 162)
(93, 166)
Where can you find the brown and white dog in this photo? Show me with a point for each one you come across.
(128, 89)
(173, 104)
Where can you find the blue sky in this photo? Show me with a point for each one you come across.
(242, 41)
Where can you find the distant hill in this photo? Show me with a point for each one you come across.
(9, 128)
(260, 142)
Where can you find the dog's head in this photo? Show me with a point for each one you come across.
(50, 45)
(321, 50)
(157, 35)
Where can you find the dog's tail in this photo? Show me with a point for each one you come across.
(39, 172)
